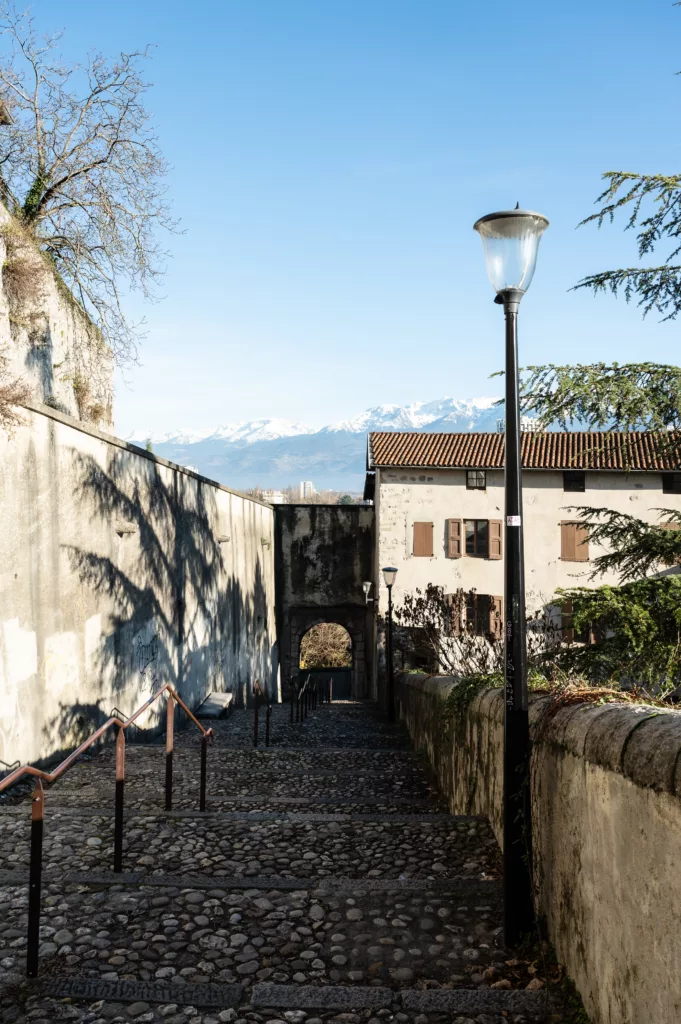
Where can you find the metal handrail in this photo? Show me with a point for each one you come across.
(38, 799)
(28, 769)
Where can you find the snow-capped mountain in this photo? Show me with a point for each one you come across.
(247, 432)
(275, 453)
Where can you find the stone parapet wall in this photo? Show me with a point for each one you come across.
(119, 572)
(606, 797)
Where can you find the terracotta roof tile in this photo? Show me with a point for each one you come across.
(539, 450)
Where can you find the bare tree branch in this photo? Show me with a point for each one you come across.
(81, 168)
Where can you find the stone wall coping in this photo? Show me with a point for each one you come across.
(117, 442)
(639, 741)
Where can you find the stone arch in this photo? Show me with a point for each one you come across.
(354, 620)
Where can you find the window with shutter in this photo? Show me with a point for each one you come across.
(574, 542)
(495, 538)
(423, 540)
(477, 537)
(454, 538)
(483, 616)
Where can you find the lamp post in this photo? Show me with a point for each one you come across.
(510, 240)
(389, 574)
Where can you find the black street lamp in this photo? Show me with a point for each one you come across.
(510, 240)
(389, 574)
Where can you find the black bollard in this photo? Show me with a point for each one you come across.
(34, 879)
(255, 718)
(202, 789)
(170, 733)
(120, 792)
(268, 717)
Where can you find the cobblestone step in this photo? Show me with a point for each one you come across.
(297, 845)
(264, 803)
(232, 935)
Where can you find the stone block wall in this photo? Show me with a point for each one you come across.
(323, 555)
(46, 337)
(120, 572)
(606, 798)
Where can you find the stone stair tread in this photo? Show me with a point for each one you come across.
(322, 997)
(311, 801)
(286, 816)
(460, 883)
(361, 997)
(216, 705)
(220, 996)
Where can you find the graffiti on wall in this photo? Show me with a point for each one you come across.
(145, 652)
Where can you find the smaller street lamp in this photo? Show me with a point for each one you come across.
(389, 574)
(366, 587)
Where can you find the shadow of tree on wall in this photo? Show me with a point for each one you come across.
(172, 606)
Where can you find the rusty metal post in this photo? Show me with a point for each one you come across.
(331, 690)
(120, 791)
(170, 735)
(256, 694)
(34, 879)
(268, 719)
(202, 790)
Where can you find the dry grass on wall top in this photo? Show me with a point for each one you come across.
(327, 645)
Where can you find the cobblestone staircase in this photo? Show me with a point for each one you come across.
(325, 882)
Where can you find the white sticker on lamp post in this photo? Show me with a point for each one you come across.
(513, 520)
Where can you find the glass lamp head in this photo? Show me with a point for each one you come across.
(510, 240)
(389, 574)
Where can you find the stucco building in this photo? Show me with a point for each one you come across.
(439, 505)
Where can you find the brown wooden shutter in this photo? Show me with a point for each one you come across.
(456, 610)
(581, 543)
(496, 617)
(495, 539)
(574, 542)
(454, 538)
(567, 541)
(566, 622)
(423, 539)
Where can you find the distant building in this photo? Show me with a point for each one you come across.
(527, 423)
(439, 501)
(274, 497)
(306, 489)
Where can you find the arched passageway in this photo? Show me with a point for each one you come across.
(326, 655)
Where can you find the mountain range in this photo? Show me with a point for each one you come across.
(273, 453)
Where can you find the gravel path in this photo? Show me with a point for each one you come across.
(326, 865)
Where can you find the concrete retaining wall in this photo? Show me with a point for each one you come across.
(606, 793)
(119, 572)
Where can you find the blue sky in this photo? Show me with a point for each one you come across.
(329, 159)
